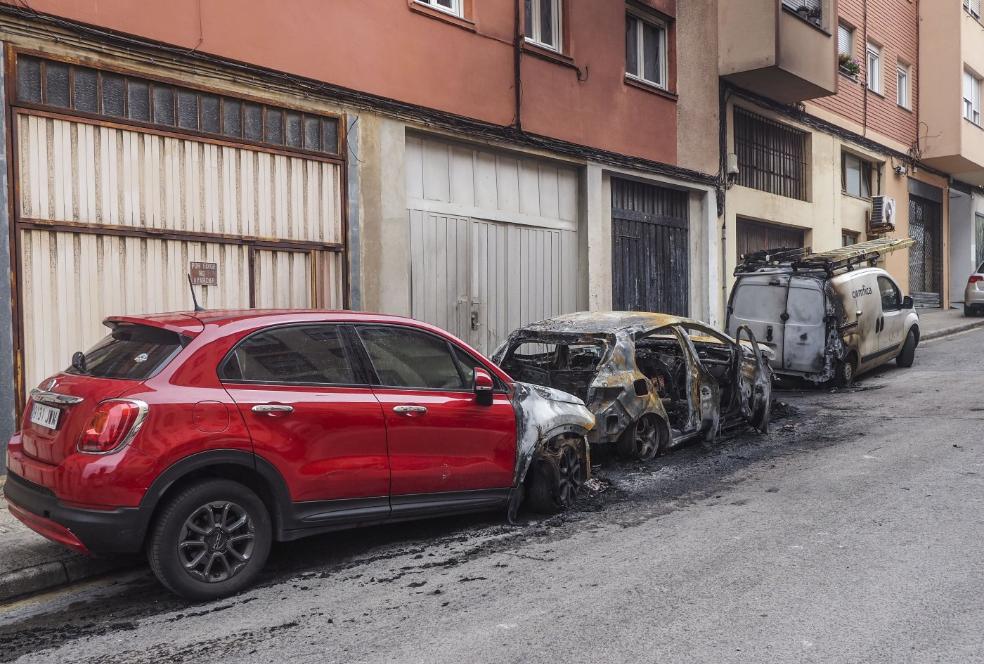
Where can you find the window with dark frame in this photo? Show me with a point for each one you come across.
(771, 155)
(61, 86)
(858, 176)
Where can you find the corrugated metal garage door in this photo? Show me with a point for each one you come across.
(110, 218)
(493, 239)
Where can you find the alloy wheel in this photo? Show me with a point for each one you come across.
(571, 476)
(646, 439)
(216, 541)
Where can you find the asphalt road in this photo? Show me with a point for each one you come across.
(851, 533)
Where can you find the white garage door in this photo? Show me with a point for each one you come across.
(110, 219)
(493, 239)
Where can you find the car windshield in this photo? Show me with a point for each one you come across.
(568, 365)
(129, 351)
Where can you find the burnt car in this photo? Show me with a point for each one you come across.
(653, 381)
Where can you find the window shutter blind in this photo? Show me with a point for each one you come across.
(844, 38)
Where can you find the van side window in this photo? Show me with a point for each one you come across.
(890, 297)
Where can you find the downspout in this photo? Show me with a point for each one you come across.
(518, 65)
(722, 188)
(867, 72)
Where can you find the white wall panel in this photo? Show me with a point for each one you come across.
(72, 281)
(469, 181)
(76, 172)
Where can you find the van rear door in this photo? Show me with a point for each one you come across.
(759, 301)
(805, 333)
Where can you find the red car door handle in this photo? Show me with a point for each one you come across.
(410, 411)
(273, 409)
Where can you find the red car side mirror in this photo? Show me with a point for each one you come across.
(483, 385)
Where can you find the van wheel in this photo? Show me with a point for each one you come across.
(844, 371)
(210, 540)
(908, 354)
(640, 441)
(557, 475)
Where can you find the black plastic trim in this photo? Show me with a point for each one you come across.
(116, 531)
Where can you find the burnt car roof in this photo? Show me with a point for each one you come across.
(605, 322)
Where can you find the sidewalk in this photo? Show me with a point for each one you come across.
(936, 323)
(31, 564)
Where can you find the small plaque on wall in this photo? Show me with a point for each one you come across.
(204, 274)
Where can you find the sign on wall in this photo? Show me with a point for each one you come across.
(204, 274)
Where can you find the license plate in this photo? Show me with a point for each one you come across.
(45, 416)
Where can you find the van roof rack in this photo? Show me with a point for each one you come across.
(842, 258)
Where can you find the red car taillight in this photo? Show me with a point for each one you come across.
(974, 278)
(112, 425)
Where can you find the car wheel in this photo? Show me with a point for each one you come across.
(968, 310)
(908, 354)
(844, 371)
(640, 440)
(210, 540)
(557, 475)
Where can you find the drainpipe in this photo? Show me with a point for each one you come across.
(518, 65)
(867, 72)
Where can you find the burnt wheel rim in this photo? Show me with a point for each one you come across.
(570, 477)
(645, 438)
(216, 541)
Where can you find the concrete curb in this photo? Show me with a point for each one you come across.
(45, 576)
(955, 329)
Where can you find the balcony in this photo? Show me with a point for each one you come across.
(952, 121)
(782, 50)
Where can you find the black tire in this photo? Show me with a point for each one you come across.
(641, 440)
(969, 310)
(223, 521)
(907, 355)
(557, 475)
(844, 372)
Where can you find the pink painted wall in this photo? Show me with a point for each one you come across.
(397, 49)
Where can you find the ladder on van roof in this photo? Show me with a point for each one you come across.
(842, 258)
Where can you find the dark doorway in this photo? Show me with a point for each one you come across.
(651, 248)
(755, 236)
(926, 256)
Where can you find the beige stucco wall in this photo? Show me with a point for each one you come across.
(697, 82)
(942, 32)
(828, 211)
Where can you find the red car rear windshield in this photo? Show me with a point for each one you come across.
(131, 352)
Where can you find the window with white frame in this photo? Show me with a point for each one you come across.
(845, 40)
(645, 50)
(450, 6)
(874, 72)
(973, 7)
(543, 26)
(902, 86)
(971, 97)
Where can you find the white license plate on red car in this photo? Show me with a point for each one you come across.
(45, 416)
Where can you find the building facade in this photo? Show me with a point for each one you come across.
(826, 140)
(478, 165)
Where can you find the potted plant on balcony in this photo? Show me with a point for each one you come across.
(849, 65)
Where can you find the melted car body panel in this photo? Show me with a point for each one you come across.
(644, 364)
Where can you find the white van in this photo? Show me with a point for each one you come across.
(827, 317)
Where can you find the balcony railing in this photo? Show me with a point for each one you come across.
(808, 10)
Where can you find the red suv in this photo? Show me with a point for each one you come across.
(202, 438)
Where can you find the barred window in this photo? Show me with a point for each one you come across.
(59, 85)
(771, 155)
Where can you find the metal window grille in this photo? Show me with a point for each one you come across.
(119, 97)
(771, 155)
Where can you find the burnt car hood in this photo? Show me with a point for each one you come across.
(543, 413)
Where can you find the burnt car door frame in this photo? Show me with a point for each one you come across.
(702, 389)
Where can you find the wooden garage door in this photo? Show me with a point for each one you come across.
(650, 248)
(110, 218)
